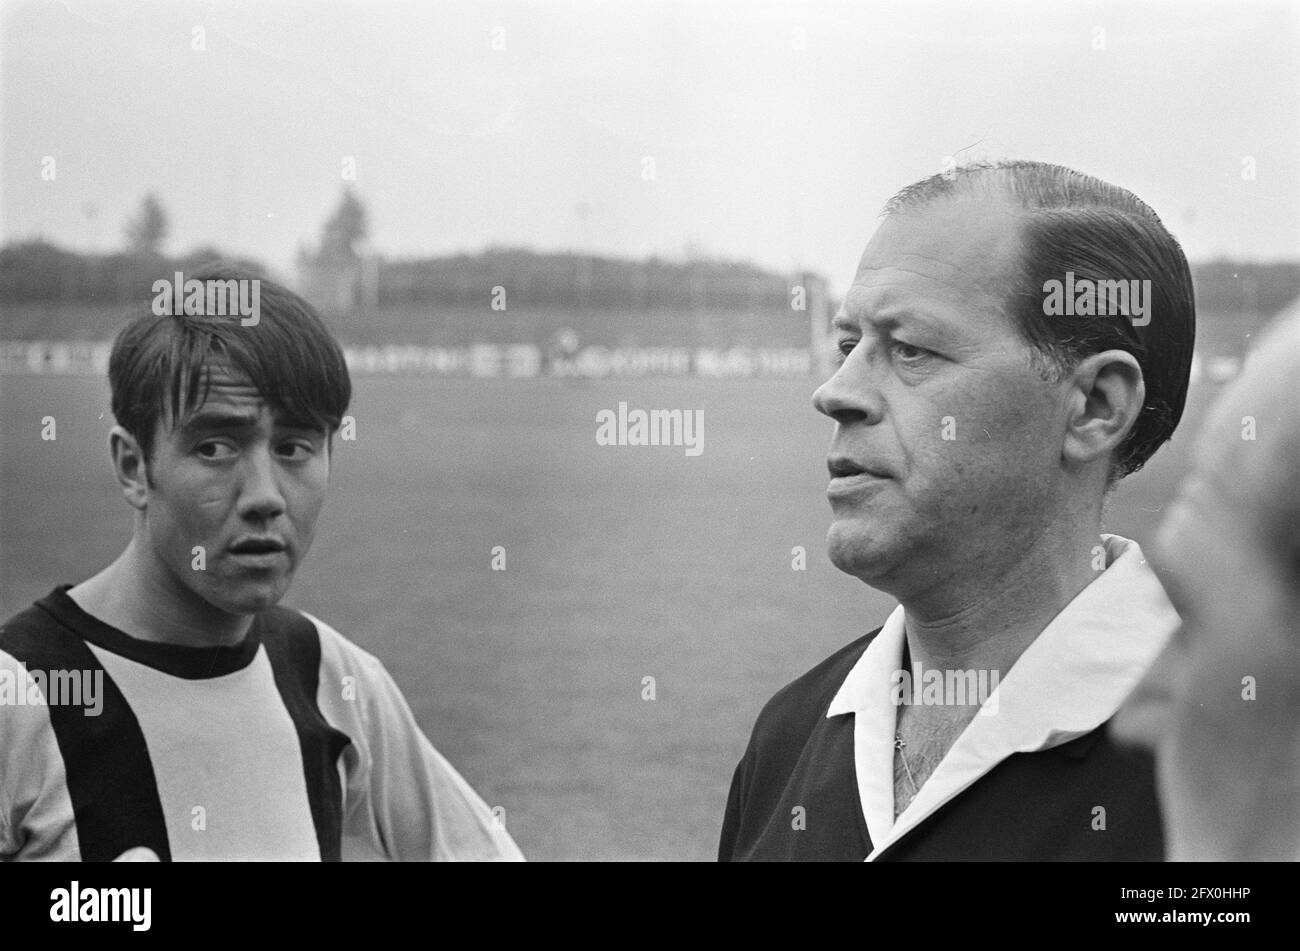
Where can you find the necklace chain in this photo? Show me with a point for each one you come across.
(901, 746)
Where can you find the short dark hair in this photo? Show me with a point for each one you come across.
(289, 355)
(1076, 222)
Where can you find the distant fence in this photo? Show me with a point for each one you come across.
(519, 361)
(508, 361)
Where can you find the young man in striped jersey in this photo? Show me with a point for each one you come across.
(223, 726)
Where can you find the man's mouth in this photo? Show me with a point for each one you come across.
(257, 549)
(851, 480)
(842, 467)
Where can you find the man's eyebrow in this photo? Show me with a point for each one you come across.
(289, 421)
(846, 320)
(295, 417)
(204, 421)
(210, 420)
(842, 321)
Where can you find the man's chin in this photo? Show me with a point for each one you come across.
(855, 553)
(250, 597)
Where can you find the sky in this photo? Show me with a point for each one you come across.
(771, 132)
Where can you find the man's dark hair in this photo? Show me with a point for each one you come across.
(162, 363)
(1101, 232)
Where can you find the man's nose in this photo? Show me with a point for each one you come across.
(850, 395)
(260, 496)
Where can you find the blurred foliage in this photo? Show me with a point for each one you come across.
(574, 280)
(34, 271)
(146, 232)
(345, 229)
(39, 271)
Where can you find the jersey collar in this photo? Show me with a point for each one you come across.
(189, 663)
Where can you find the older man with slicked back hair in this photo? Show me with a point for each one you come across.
(978, 428)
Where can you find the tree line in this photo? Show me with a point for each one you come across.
(40, 271)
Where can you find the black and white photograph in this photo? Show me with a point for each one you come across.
(580, 431)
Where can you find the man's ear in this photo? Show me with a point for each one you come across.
(1104, 401)
(130, 467)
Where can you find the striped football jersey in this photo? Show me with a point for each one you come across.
(293, 745)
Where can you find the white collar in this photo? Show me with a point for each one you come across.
(1071, 679)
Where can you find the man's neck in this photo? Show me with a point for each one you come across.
(987, 620)
(135, 595)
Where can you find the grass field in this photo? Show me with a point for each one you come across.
(622, 563)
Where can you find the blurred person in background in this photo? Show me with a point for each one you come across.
(1221, 706)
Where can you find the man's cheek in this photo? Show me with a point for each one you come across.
(207, 515)
(212, 501)
(984, 417)
(306, 509)
(194, 538)
(950, 476)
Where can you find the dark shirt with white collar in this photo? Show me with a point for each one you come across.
(1038, 779)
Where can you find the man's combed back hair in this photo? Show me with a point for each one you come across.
(1101, 232)
(161, 364)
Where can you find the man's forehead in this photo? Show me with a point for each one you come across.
(223, 392)
(226, 386)
(947, 250)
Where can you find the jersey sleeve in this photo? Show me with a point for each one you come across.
(35, 809)
(403, 801)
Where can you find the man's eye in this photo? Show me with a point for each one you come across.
(214, 450)
(843, 349)
(297, 449)
(909, 353)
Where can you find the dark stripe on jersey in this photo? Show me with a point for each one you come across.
(293, 647)
(176, 660)
(110, 776)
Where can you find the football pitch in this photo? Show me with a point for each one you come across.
(599, 689)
